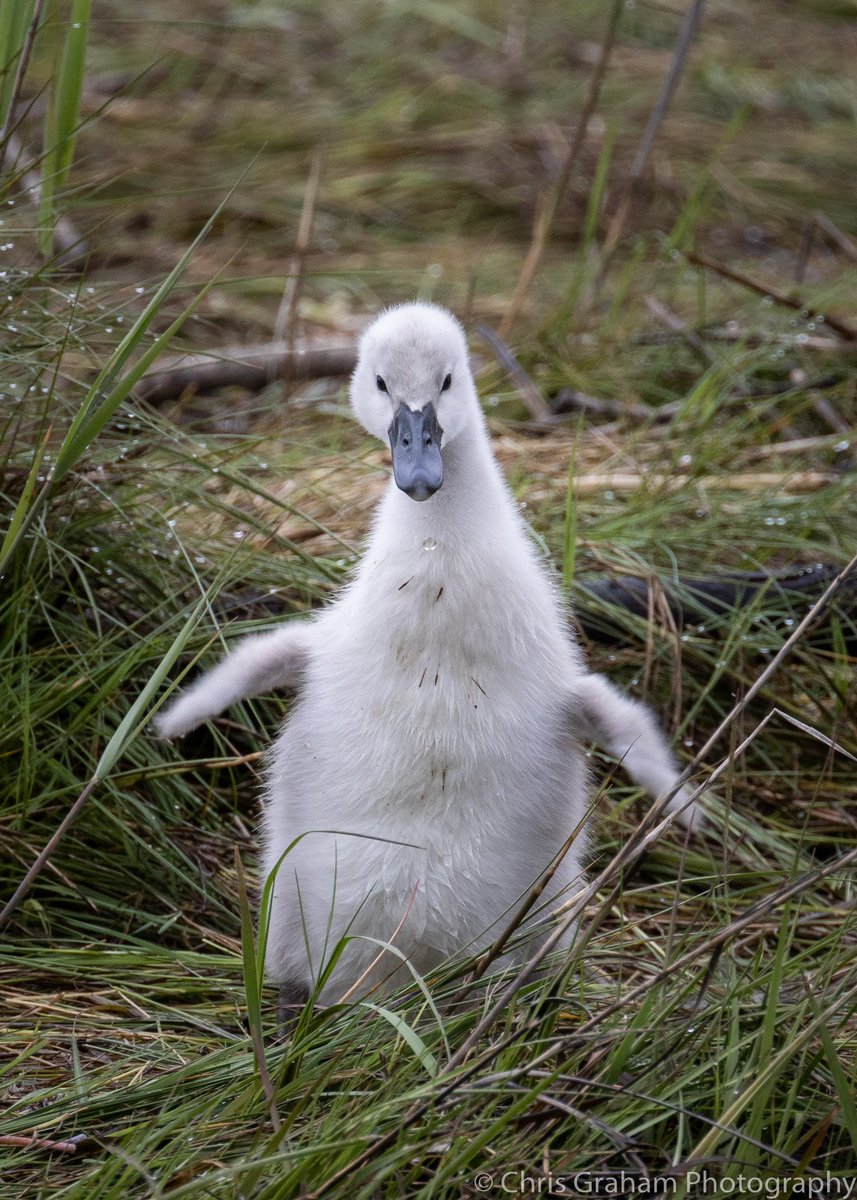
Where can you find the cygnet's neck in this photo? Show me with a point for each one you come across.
(472, 505)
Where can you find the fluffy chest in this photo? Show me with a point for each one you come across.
(431, 693)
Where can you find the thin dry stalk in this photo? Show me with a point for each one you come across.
(52, 843)
(20, 72)
(712, 945)
(496, 949)
(641, 158)
(653, 823)
(285, 325)
(784, 482)
(346, 996)
(839, 239)
(547, 214)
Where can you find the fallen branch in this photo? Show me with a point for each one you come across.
(569, 400)
(690, 600)
(250, 367)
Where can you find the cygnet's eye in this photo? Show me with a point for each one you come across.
(382, 387)
(447, 384)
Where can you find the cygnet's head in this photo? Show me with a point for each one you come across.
(412, 386)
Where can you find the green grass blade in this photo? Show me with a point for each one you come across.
(17, 522)
(408, 1035)
(62, 116)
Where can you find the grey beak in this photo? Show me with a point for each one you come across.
(415, 443)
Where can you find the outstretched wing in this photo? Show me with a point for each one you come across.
(259, 664)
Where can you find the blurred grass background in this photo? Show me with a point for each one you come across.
(124, 1015)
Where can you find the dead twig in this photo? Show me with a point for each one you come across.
(675, 324)
(527, 390)
(250, 367)
(32, 1142)
(781, 298)
(545, 219)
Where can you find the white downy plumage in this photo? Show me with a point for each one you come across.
(442, 704)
